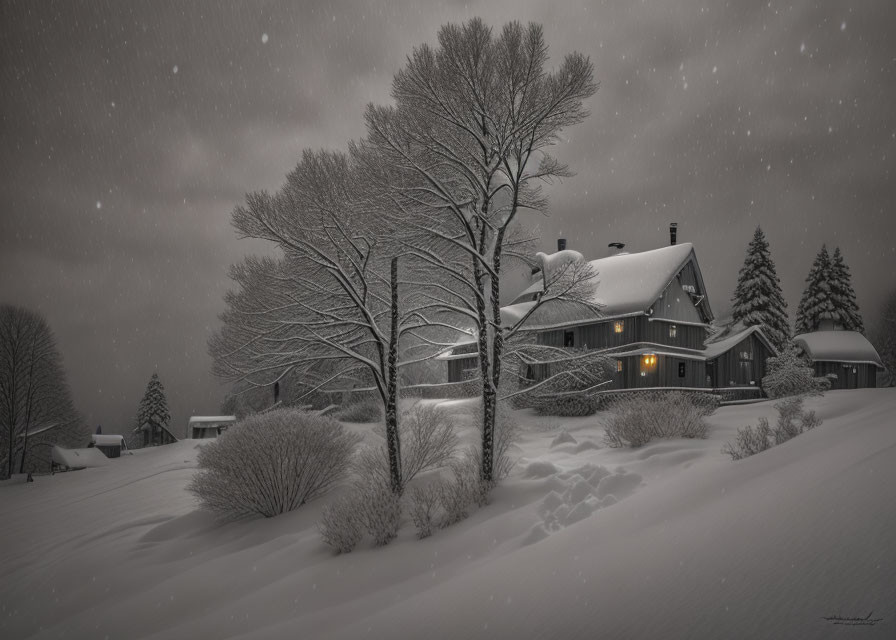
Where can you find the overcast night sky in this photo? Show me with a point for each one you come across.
(130, 131)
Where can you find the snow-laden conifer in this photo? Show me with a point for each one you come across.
(757, 298)
(152, 414)
(816, 303)
(846, 309)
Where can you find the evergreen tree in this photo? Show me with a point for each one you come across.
(843, 296)
(757, 298)
(153, 414)
(816, 303)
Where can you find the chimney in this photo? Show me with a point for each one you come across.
(618, 246)
(673, 233)
(561, 244)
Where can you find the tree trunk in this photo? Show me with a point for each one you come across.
(392, 440)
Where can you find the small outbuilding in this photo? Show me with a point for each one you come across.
(111, 445)
(71, 459)
(208, 426)
(845, 357)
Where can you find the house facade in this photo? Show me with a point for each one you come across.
(846, 358)
(655, 320)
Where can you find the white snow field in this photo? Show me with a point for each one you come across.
(673, 540)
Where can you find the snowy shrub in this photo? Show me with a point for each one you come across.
(428, 441)
(423, 503)
(272, 463)
(789, 375)
(360, 411)
(567, 406)
(380, 511)
(749, 441)
(340, 526)
(792, 421)
(636, 419)
(462, 490)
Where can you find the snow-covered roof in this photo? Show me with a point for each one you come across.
(107, 440)
(78, 458)
(214, 419)
(838, 346)
(716, 347)
(628, 283)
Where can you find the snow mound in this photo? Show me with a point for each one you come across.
(540, 469)
(562, 438)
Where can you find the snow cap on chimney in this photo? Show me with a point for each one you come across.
(618, 246)
(561, 244)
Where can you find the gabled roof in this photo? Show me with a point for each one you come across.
(716, 347)
(628, 284)
(838, 346)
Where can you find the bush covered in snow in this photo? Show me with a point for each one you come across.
(272, 463)
(635, 419)
(380, 510)
(792, 421)
(360, 411)
(790, 375)
(340, 526)
(428, 441)
(423, 504)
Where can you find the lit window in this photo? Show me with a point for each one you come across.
(619, 365)
(746, 355)
(618, 326)
(673, 331)
(648, 363)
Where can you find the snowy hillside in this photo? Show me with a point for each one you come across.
(673, 540)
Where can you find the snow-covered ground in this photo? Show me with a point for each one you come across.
(673, 540)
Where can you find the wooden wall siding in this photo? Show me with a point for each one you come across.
(688, 336)
(728, 369)
(599, 335)
(456, 368)
(865, 376)
(676, 304)
(665, 373)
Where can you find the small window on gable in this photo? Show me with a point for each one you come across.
(746, 356)
(681, 369)
(619, 326)
(673, 331)
(618, 365)
(569, 339)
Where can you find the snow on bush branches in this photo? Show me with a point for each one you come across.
(637, 418)
(272, 463)
(789, 375)
(792, 421)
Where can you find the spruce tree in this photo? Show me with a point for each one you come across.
(757, 298)
(843, 296)
(816, 303)
(153, 414)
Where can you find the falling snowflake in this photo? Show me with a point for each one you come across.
(714, 69)
(842, 26)
(99, 205)
(802, 47)
(264, 38)
(174, 70)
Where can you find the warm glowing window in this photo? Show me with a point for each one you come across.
(673, 330)
(648, 363)
(619, 365)
(618, 326)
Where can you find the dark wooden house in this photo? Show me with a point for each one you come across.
(845, 357)
(655, 320)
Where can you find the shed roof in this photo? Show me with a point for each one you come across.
(216, 419)
(111, 440)
(838, 346)
(78, 458)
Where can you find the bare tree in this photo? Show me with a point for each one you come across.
(327, 310)
(469, 132)
(35, 401)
